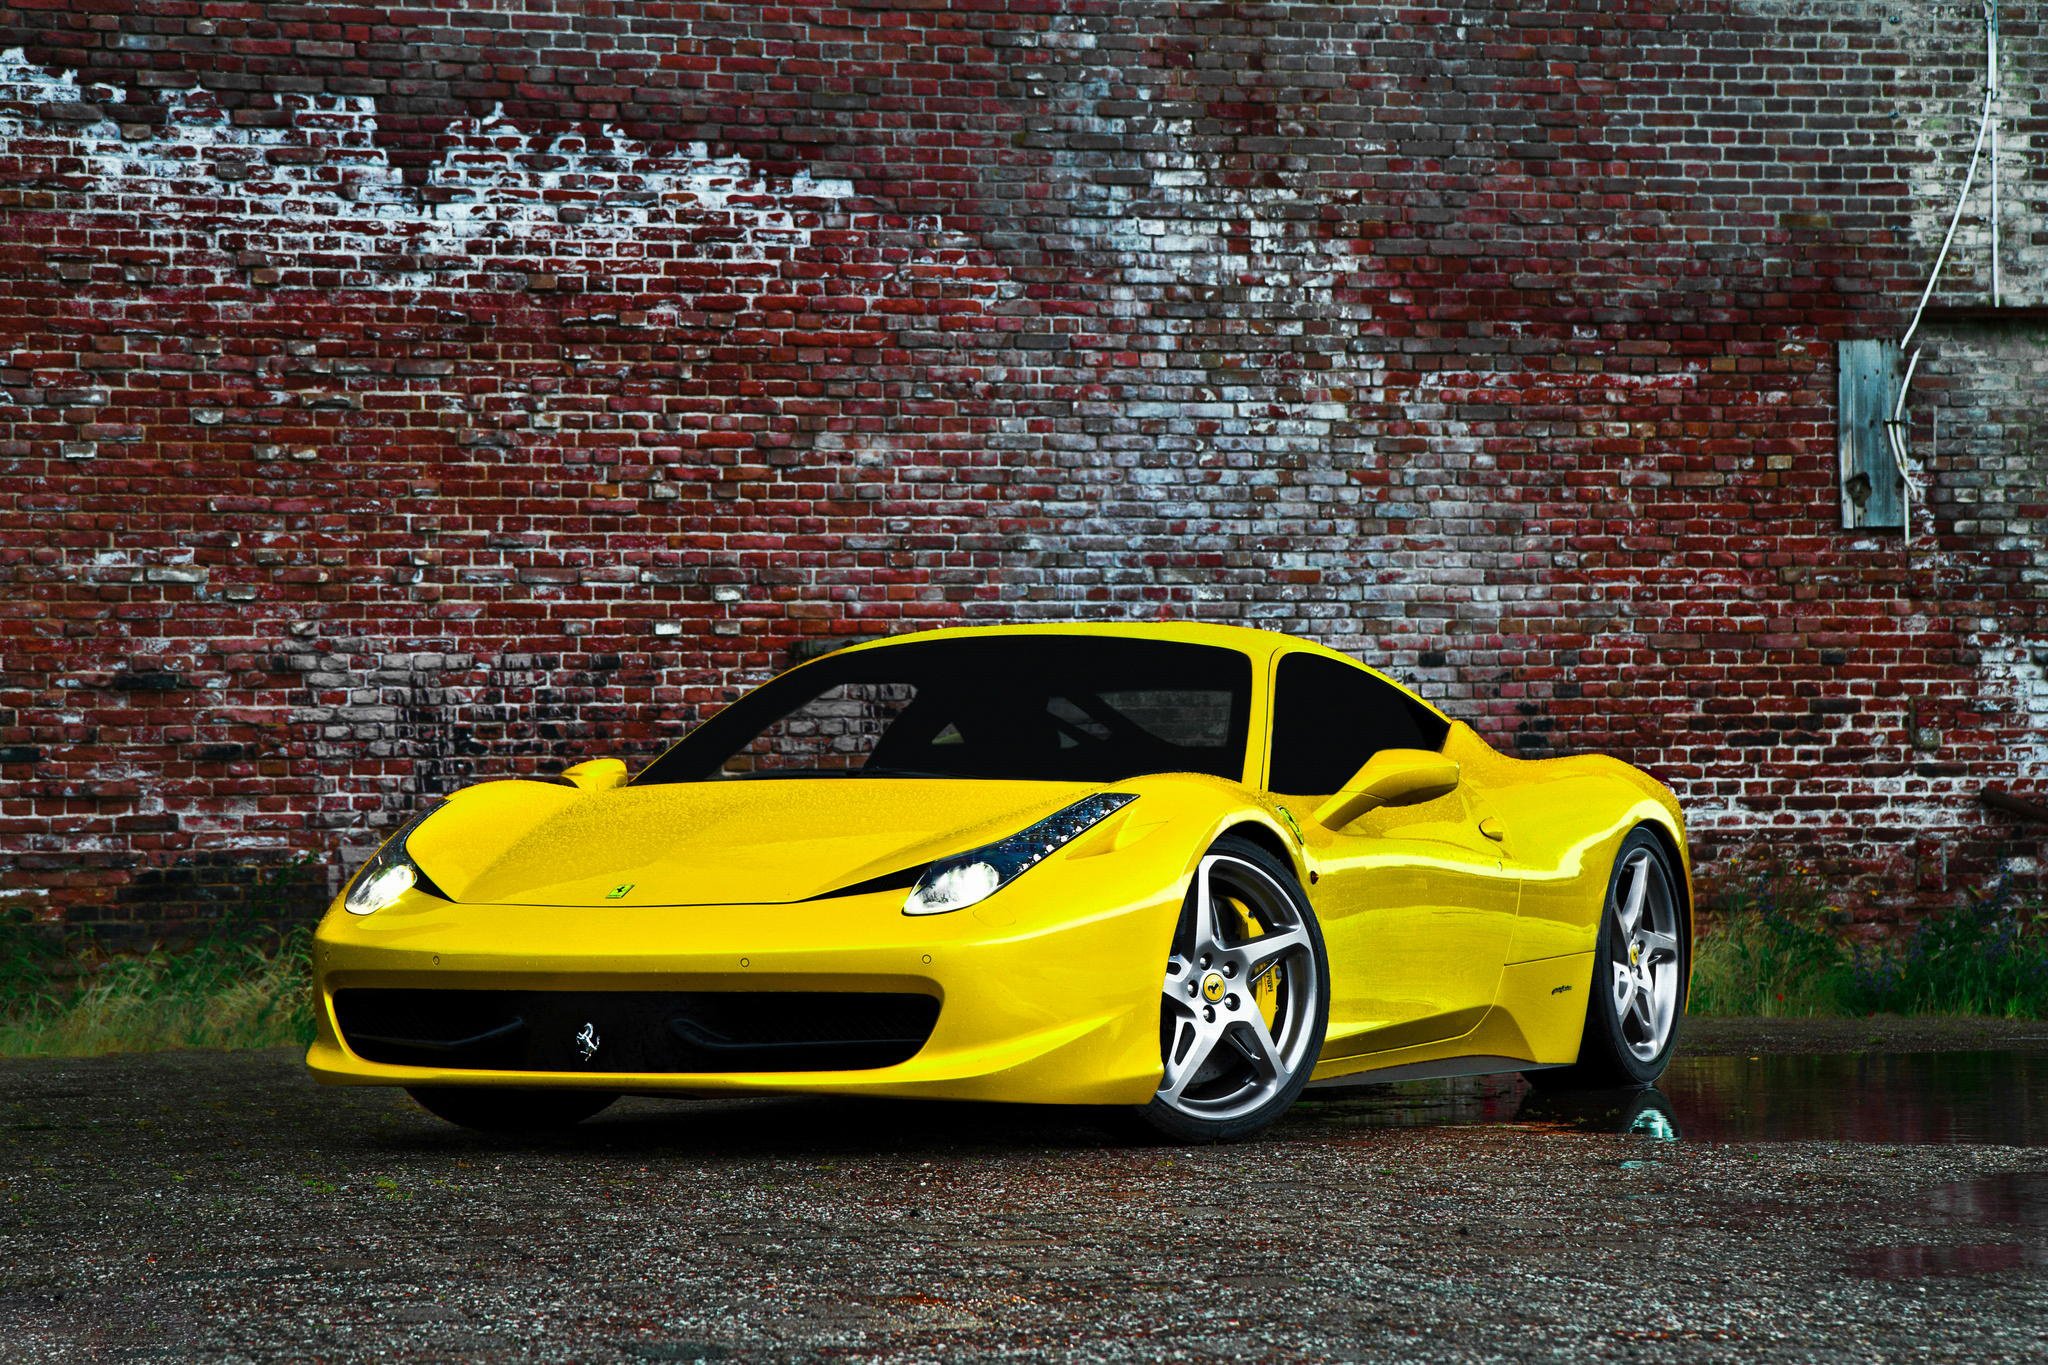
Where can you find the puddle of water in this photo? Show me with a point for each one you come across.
(1895, 1098)
(2016, 1199)
(2011, 1207)
(1882, 1099)
(1925, 1262)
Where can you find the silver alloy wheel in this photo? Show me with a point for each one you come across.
(1646, 963)
(1223, 1059)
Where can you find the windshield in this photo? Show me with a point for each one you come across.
(1035, 708)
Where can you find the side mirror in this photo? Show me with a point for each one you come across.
(1391, 777)
(597, 775)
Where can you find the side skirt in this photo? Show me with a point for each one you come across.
(1436, 1070)
(1535, 1021)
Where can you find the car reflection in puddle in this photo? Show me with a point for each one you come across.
(1901, 1099)
(1888, 1098)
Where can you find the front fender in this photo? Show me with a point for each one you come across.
(1198, 810)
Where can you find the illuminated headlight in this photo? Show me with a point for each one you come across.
(389, 874)
(968, 878)
(381, 888)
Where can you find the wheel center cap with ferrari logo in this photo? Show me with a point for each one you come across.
(1213, 987)
(1635, 954)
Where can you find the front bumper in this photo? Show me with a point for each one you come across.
(1035, 1006)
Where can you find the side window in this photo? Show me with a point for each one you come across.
(1329, 718)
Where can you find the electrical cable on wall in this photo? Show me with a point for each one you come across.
(1987, 129)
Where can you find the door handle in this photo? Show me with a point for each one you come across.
(1492, 829)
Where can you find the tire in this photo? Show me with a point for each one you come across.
(1632, 1026)
(1629, 1110)
(510, 1112)
(1240, 1025)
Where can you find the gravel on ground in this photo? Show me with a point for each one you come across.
(222, 1206)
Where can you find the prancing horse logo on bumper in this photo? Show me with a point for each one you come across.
(587, 1042)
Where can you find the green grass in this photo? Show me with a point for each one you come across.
(1769, 946)
(242, 985)
(220, 992)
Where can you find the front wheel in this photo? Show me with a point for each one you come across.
(1246, 999)
(1640, 966)
(510, 1112)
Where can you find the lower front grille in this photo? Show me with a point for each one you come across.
(635, 1031)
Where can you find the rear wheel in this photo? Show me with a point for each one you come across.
(510, 1111)
(1640, 966)
(1245, 999)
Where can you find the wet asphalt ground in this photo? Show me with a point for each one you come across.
(1814, 1194)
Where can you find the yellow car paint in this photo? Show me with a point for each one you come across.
(1460, 931)
(752, 842)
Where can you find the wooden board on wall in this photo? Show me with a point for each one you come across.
(1872, 494)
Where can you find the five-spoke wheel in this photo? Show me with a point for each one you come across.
(1639, 973)
(1646, 959)
(1245, 998)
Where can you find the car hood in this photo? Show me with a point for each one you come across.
(711, 843)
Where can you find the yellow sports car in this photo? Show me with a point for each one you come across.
(1184, 869)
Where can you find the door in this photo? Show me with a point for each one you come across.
(1416, 903)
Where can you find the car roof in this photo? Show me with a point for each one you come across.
(1243, 639)
(1260, 645)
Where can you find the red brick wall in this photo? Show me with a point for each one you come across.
(391, 398)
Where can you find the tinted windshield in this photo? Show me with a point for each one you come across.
(1035, 708)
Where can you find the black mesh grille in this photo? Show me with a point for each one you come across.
(635, 1031)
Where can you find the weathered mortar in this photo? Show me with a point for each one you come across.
(373, 422)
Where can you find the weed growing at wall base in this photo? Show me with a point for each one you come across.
(218, 993)
(1767, 948)
(242, 985)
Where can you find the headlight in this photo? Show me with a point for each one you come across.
(389, 874)
(962, 880)
(383, 887)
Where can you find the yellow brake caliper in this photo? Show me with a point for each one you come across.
(1265, 991)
